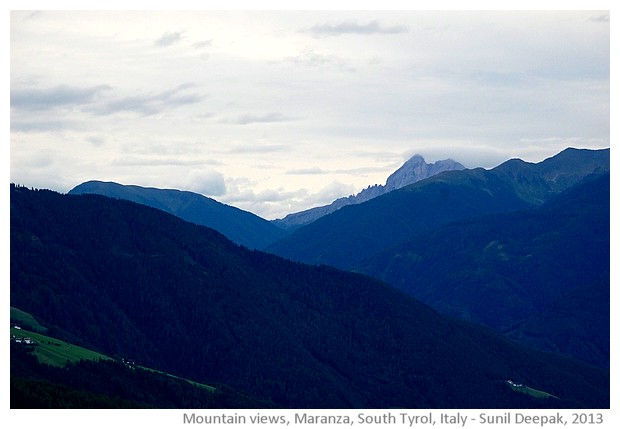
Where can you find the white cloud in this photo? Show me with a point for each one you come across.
(168, 39)
(266, 118)
(352, 27)
(206, 182)
(32, 99)
(148, 104)
(258, 148)
(31, 124)
(97, 100)
(276, 203)
(604, 18)
(202, 44)
(309, 57)
(307, 171)
(133, 161)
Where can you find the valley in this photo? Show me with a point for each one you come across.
(127, 279)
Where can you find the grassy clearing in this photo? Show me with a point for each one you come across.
(53, 351)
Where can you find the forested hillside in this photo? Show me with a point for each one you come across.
(130, 280)
(542, 275)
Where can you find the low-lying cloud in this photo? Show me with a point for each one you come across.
(277, 203)
(207, 182)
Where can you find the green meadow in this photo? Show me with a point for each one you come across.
(53, 351)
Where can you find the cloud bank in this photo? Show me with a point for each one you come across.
(279, 111)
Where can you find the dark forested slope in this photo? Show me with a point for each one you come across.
(541, 275)
(131, 280)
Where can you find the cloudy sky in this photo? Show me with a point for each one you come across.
(275, 112)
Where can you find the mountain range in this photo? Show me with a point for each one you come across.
(246, 228)
(515, 248)
(412, 171)
(354, 233)
(126, 279)
(455, 284)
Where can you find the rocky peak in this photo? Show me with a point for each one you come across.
(416, 169)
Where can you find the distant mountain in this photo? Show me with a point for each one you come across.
(350, 235)
(242, 227)
(416, 169)
(130, 280)
(542, 276)
(535, 183)
(412, 171)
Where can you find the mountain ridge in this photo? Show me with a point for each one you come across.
(353, 233)
(182, 298)
(240, 226)
(412, 171)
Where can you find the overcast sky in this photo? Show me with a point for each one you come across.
(276, 112)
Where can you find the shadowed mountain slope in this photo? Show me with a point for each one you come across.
(542, 275)
(130, 280)
(242, 227)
